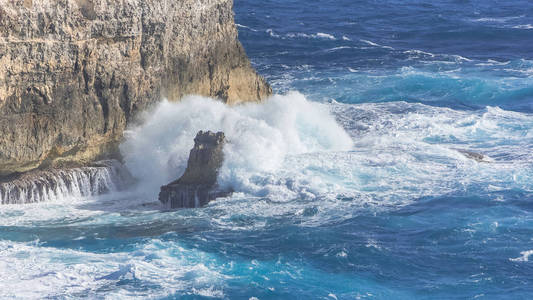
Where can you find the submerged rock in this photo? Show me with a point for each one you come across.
(198, 185)
(473, 155)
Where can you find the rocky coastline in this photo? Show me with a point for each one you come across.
(75, 73)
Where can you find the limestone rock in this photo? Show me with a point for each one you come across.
(198, 185)
(74, 73)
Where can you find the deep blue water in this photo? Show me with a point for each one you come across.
(373, 200)
(464, 54)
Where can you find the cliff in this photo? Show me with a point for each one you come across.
(73, 73)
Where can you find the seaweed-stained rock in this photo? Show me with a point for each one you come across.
(198, 185)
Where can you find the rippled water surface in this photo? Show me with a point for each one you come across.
(394, 163)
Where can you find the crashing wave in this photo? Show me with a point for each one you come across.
(58, 184)
(260, 137)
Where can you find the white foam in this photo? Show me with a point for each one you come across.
(260, 137)
(60, 185)
(342, 254)
(498, 62)
(460, 58)
(325, 36)
(498, 19)
(210, 292)
(376, 44)
(318, 35)
(288, 156)
(524, 258)
(246, 27)
(272, 34)
(444, 58)
(419, 52)
(33, 271)
(370, 43)
(491, 62)
(525, 26)
(418, 142)
(338, 48)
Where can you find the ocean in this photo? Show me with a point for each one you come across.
(393, 162)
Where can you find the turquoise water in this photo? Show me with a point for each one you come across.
(352, 183)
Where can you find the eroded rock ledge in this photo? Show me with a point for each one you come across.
(198, 185)
(59, 184)
(73, 73)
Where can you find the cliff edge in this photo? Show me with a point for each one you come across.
(73, 73)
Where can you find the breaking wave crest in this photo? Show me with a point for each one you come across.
(260, 136)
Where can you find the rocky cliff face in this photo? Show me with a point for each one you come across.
(73, 73)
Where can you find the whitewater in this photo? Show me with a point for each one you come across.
(299, 168)
(393, 162)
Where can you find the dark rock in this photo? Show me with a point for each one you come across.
(198, 185)
(472, 155)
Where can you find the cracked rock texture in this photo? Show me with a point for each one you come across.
(73, 73)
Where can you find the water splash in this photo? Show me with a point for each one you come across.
(61, 184)
(260, 136)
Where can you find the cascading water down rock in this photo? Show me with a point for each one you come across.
(198, 185)
(57, 184)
